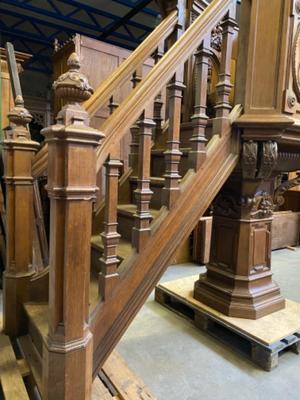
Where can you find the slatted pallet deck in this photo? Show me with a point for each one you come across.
(262, 340)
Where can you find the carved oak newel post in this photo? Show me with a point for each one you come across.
(68, 349)
(19, 150)
(239, 277)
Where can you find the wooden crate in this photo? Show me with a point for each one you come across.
(262, 340)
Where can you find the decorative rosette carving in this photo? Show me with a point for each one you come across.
(73, 86)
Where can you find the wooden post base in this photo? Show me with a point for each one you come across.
(61, 379)
(250, 300)
(15, 293)
(238, 281)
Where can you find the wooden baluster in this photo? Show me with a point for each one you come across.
(173, 153)
(40, 225)
(19, 150)
(112, 105)
(224, 86)
(110, 237)
(134, 146)
(68, 350)
(158, 102)
(198, 141)
(143, 193)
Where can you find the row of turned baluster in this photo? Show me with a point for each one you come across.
(150, 122)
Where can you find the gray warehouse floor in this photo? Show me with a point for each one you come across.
(179, 362)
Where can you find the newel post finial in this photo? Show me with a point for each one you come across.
(72, 189)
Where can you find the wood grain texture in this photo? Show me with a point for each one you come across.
(13, 386)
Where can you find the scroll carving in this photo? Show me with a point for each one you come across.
(281, 189)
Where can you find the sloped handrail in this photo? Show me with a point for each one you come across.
(115, 127)
(117, 78)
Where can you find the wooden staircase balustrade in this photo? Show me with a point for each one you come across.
(116, 79)
(142, 272)
(116, 125)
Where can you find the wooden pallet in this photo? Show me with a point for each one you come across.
(262, 340)
(115, 381)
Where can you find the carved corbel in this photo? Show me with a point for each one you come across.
(249, 159)
(268, 159)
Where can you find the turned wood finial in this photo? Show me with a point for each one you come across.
(19, 114)
(73, 86)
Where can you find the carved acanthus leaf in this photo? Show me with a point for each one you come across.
(268, 160)
(249, 159)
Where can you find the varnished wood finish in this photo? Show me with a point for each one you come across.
(143, 192)
(145, 270)
(224, 85)
(198, 141)
(68, 349)
(175, 93)
(109, 261)
(19, 150)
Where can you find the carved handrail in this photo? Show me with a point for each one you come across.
(115, 127)
(121, 74)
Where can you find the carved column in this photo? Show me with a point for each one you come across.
(19, 150)
(238, 281)
(68, 349)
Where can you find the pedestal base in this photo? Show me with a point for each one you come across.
(238, 296)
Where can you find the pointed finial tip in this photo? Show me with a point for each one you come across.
(73, 61)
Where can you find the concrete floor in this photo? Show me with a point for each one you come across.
(179, 362)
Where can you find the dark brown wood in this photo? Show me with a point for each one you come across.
(109, 261)
(175, 92)
(238, 281)
(143, 193)
(134, 130)
(202, 240)
(224, 86)
(198, 141)
(68, 350)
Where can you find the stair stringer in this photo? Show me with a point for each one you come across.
(110, 319)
